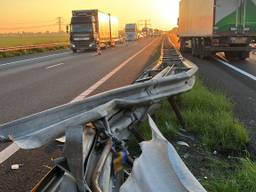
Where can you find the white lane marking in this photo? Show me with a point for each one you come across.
(33, 59)
(54, 66)
(13, 148)
(8, 151)
(109, 75)
(236, 69)
(100, 82)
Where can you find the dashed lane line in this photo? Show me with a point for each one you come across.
(13, 148)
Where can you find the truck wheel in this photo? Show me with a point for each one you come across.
(203, 53)
(231, 55)
(182, 45)
(201, 48)
(243, 55)
(207, 54)
(113, 44)
(197, 47)
(193, 42)
(104, 46)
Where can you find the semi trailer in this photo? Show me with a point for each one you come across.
(210, 26)
(131, 32)
(90, 29)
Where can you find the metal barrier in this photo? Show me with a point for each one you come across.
(96, 128)
(28, 47)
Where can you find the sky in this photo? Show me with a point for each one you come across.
(41, 15)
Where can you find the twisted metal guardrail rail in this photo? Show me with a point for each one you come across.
(97, 127)
(28, 47)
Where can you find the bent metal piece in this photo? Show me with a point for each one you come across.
(41, 128)
(159, 168)
(98, 170)
(88, 124)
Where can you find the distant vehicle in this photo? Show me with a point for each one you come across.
(141, 35)
(211, 26)
(144, 32)
(147, 32)
(121, 37)
(92, 28)
(156, 33)
(150, 32)
(131, 32)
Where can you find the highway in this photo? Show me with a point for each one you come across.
(30, 84)
(33, 83)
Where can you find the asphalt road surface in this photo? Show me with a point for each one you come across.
(30, 84)
(34, 83)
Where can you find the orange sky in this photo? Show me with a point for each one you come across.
(41, 15)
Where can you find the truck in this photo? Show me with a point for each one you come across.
(157, 33)
(206, 27)
(148, 32)
(91, 29)
(131, 32)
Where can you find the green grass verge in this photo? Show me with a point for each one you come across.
(33, 39)
(31, 51)
(209, 116)
(243, 180)
(165, 121)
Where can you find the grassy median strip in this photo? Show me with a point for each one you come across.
(31, 51)
(31, 39)
(217, 156)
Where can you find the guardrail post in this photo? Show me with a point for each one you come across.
(79, 139)
(172, 101)
(136, 134)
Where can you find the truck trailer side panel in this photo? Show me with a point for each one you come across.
(250, 17)
(227, 16)
(196, 18)
(235, 17)
(114, 28)
(103, 26)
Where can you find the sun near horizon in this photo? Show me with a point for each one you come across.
(41, 15)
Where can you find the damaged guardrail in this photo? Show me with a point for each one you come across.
(96, 129)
